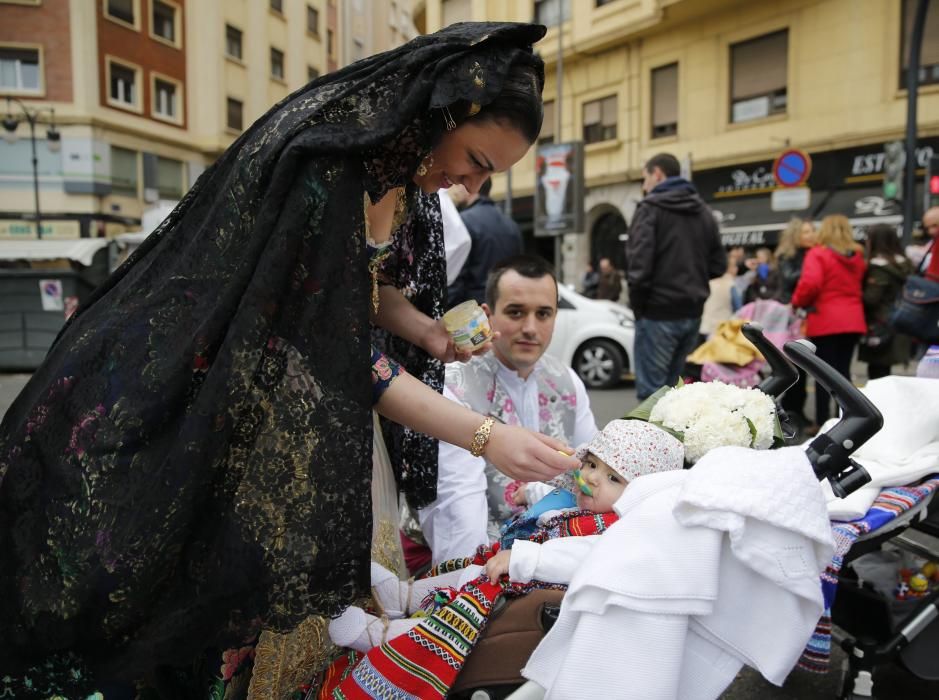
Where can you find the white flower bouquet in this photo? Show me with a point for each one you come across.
(705, 415)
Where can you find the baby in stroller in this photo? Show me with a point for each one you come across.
(530, 548)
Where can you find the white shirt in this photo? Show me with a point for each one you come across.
(454, 525)
(456, 238)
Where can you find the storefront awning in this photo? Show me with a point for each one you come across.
(80, 250)
(750, 221)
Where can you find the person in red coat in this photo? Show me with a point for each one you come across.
(830, 289)
(931, 224)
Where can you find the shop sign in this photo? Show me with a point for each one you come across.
(17, 229)
(872, 163)
(830, 170)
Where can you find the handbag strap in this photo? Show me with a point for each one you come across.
(922, 263)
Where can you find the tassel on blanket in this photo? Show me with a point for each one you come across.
(437, 599)
(424, 662)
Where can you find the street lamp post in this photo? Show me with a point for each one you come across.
(32, 117)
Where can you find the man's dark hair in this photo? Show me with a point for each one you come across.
(531, 266)
(486, 187)
(666, 162)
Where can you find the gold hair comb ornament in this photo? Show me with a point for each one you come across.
(448, 118)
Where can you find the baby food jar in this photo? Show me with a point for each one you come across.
(467, 325)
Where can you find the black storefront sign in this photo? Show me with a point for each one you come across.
(846, 181)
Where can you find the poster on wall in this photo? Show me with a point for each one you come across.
(559, 189)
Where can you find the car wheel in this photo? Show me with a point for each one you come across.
(599, 364)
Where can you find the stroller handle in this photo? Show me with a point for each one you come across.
(783, 374)
(829, 453)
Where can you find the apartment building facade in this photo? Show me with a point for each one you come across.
(146, 94)
(726, 86)
(370, 27)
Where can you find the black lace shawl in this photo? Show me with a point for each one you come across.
(192, 461)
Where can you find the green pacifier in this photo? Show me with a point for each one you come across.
(581, 483)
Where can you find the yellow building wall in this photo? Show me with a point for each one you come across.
(211, 78)
(842, 85)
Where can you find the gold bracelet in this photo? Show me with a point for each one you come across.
(481, 438)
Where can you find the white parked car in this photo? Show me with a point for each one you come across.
(594, 337)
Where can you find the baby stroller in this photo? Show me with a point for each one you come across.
(727, 357)
(876, 629)
(492, 670)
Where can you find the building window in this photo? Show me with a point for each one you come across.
(235, 114)
(121, 10)
(169, 178)
(929, 52)
(123, 172)
(278, 6)
(232, 42)
(312, 20)
(601, 3)
(123, 89)
(312, 73)
(665, 101)
(165, 100)
(19, 70)
(330, 44)
(758, 69)
(164, 21)
(600, 120)
(277, 64)
(547, 124)
(547, 11)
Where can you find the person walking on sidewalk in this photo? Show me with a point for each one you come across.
(673, 250)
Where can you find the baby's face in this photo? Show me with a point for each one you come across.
(607, 486)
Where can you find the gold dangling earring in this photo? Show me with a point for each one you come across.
(426, 165)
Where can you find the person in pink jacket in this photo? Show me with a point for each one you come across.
(830, 289)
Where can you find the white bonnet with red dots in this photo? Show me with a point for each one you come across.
(633, 448)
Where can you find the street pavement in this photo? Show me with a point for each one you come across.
(890, 682)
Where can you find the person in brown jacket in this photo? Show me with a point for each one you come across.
(611, 281)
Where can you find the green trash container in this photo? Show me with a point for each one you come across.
(35, 300)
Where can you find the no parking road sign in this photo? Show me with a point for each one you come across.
(792, 168)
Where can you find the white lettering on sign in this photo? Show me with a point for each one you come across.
(723, 217)
(757, 179)
(736, 238)
(873, 163)
(873, 204)
(868, 163)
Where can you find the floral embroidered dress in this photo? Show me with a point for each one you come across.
(191, 463)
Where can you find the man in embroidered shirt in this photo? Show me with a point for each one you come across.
(517, 384)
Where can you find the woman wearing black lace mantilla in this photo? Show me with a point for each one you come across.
(191, 463)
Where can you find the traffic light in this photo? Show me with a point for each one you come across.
(894, 162)
(932, 182)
